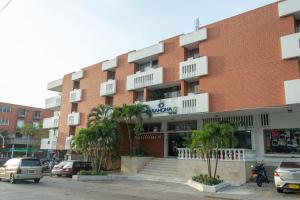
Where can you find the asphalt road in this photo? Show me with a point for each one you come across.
(66, 189)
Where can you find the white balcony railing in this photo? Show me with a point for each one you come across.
(110, 64)
(51, 122)
(193, 37)
(148, 52)
(108, 88)
(55, 85)
(77, 75)
(53, 103)
(75, 95)
(292, 91)
(197, 103)
(48, 144)
(193, 68)
(290, 46)
(289, 7)
(145, 79)
(223, 154)
(74, 119)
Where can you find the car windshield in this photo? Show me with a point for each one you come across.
(62, 164)
(68, 165)
(30, 163)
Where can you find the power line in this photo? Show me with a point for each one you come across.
(5, 6)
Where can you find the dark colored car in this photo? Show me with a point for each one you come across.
(71, 167)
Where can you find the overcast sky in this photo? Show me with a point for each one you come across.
(41, 40)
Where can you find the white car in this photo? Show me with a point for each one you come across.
(287, 177)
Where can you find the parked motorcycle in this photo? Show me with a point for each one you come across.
(259, 172)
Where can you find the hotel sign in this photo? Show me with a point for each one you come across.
(162, 108)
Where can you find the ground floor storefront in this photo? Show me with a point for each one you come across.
(270, 134)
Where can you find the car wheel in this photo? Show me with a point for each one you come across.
(37, 180)
(279, 190)
(12, 179)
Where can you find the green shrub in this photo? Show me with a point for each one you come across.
(204, 179)
(91, 173)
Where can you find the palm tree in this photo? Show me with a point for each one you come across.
(125, 113)
(99, 113)
(212, 137)
(139, 111)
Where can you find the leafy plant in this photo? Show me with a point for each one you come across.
(205, 179)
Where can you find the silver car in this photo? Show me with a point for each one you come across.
(22, 169)
(287, 177)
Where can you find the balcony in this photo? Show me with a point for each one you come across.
(193, 68)
(31, 141)
(53, 103)
(48, 144)
(108, 88)
(56, 85)
(76, 76)
(190, 40)
(75, 95)
(290, 46)
(110, 64)
(51, 122)
(146, 54)
(292, 92)
(74, 119)
(68, 142)
(289, 7)
(144, 79)
(197, 103)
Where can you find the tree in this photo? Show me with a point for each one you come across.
(29, 130)
(212, 137)
(98, 142)
(130, 114)
(139, 111)
(99, 113)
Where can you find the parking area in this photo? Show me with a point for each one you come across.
(67, 189)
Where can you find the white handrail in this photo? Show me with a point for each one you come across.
(223, 154)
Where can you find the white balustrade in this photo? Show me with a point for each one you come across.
(223, 154)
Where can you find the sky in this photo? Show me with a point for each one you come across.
(41, 40)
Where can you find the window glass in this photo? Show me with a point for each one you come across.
(37, 114)
(30, 163)
(20, 123)
(298, 25)
(140, 96)
(68, 165)
(153, 127)
(182, 126)
(12, 163)
(243, 140)
(193, 53)
(4, 122)
(193, 87)
(165, 93)
(282, 141)
(21, 113)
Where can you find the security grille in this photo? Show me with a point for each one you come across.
(264, 118)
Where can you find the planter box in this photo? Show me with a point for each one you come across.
(207, 188)
(132, 165)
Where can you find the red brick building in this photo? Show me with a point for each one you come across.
(13, 117)
(244, 68)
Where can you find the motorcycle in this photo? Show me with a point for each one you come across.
(259, 172)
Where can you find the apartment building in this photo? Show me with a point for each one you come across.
(241, 69)
(12, 119)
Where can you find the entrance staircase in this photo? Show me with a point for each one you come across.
(161, 169)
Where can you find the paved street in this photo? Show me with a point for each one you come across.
(66, 189)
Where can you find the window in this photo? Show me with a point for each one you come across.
(140, 96)
(148, 65)
(13, 162)
(112, 75)
(243, 140)
(37, 114)
(21, 112)
(298, 26)
(182, 126)
(165, 93)
(30, 163)
(5, 109)
(153, 127)
(193, 53)
(193, 87)
(282, 141)
(110, 101)
(76, 84)
(4, 122)
(20, 123)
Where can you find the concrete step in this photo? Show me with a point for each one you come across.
(149, 171)
(161, 178)
(162, 167)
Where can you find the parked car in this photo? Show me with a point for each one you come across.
(287, 177)
(71, 167)
(22, 169)
(58, 169)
